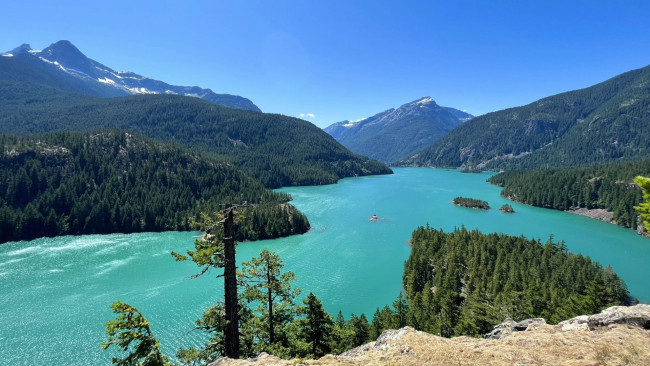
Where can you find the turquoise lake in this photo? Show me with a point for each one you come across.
(55, 293)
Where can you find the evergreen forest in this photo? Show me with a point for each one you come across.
(609, 186)
(604, 123)
(115, 181)
(464, 282)
(471, 203)
(458, 283)
(274, 149)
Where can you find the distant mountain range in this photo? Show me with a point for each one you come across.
(63, 66)
(398, 133)
(607, 122)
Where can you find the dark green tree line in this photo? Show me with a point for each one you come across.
(606, 186)
(274, 149)
(114, 181)
(464, 282)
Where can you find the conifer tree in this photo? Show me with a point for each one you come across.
(316, 327)
(644, 208)
(216, 249)
(130, 331)
(267, 286)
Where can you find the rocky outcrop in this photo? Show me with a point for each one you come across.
(506, 328)
(635, 316)
(595, 213)
(617, 336)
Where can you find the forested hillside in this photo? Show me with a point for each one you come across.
(275, 149)
(115, 181)
(465, 282)
(606, 186)
(607, 122)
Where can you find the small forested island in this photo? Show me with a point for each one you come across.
(507, 208)
(471, 203)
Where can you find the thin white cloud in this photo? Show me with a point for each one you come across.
(309, 115)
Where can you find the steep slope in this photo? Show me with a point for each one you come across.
(607, 191)
(63, 66)
(277, 150)
(603, 123)
(115, 181)
(396, 134)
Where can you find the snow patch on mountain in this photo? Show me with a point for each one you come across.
(106, 81)
(66, 57)
(425, 100)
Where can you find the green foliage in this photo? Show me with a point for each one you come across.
(209, 248)
(213, 323)
(316, 327)
(113, 181)
(359, 325)
(342, 335)
(130, 332)
(605, 186)
(276, 150)
(507, 208)
(644, 208)
(271, 290)
(465, 282)
(603, 123)
(270, 220)
(471, 202)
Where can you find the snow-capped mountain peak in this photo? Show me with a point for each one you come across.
(67, 58)
(397, 133)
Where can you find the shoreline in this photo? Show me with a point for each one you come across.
(604, 215)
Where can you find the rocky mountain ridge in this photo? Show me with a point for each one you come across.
(603, 123)
(66, 61)
(619, 335)
(398, 132)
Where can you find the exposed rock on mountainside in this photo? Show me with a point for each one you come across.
(62, 65)
(607, 122)
(618, 336)
(398, 133)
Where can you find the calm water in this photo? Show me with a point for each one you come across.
(55, 293)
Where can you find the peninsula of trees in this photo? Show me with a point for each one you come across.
(115, 181)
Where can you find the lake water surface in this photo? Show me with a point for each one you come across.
(55, 293)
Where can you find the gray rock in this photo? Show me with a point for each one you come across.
(524, 324)
(638, 316)
(578, 323)
(501, 330)
(508, 326)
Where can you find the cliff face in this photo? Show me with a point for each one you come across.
(617, 336)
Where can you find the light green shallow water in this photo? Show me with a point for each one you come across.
(55, 293)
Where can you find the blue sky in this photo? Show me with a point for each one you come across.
(340, 60)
